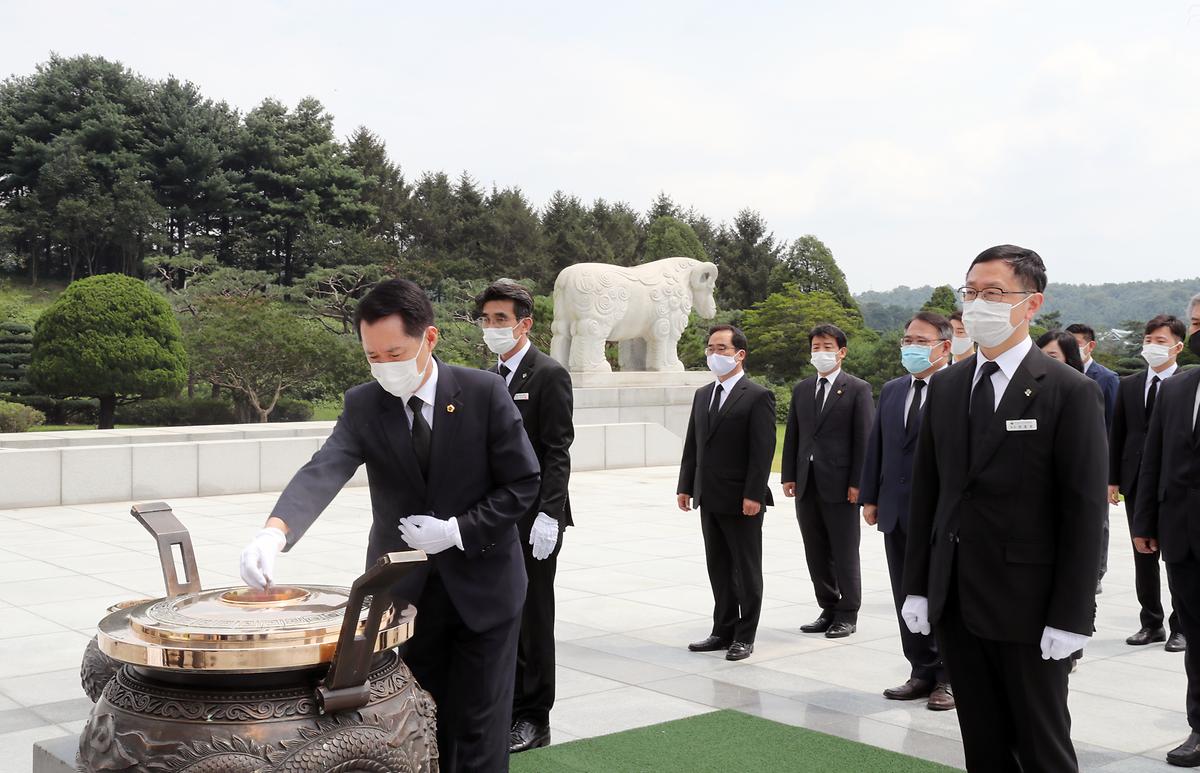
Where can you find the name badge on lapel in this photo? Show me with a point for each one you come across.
(521, 396)
(1020, 425)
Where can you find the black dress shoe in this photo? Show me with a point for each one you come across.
(840, 630)
(1186, 754)
(1147, 636)
(526, 735)
(711, 644)
(820, 625)
(941, 699)
(909, 691)
(1176, 643)
(739, 650)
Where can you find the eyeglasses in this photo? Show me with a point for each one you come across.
(498, 321)
(993, 294)
(906, 341)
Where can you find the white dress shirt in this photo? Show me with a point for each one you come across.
(726, 388)
(832, 377)
(1008, 362)
(1196, 407)
(514, 362)
(1150, 374)
(427, 393)
(912, 380)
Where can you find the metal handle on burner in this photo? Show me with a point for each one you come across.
(170, 533)
(346, 686)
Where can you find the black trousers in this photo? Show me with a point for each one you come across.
(1184, 580)
(831, 538)
(733, 553)
(920, 650)
(533, 691)
(1012, 705)
(1104, 540)
(470, 675)
(1147, 581)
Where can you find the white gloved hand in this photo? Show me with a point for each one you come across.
(916, 614)
(1057, 644)
(543, 536)
(258, 558)
(431, 534)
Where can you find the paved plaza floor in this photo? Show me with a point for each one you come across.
(632, 592)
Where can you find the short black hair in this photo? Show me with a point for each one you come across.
(1082, 330)
(1025, 263)
(739, 338)
(396, 296)
(1066, 342)
(506, 290)
(1169, 321)
(944, 329)
(955, 317)
(832, 331)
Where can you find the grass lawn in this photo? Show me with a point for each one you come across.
(327, 411)
(777, 464)
(721, 741)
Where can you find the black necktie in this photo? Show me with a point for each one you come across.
(821, 395)
(715, 408)
(983, 403)
(504, 371)
(914, 410)
(1151, 396)
(422, 436)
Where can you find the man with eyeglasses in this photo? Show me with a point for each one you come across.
(541, 389)
(1007, 503)
(887, 487)
(727, 457)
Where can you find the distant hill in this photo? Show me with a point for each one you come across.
(1101, 306)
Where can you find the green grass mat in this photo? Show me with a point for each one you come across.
(724, 741)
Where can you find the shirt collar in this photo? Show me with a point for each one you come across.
(912, 379)
(1010, 360)
(728, 383)
(514, 362)
(1164, 375)
(428, 390)
(1088, 365)
(832, 377)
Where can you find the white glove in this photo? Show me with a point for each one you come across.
(258, 559)
(916, 614)
(433, 535)
(543, 536)
(1057, 644)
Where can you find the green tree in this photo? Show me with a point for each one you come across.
(513, 243)
(1049, 320)
(777, 329)
(808, 264)
(613, 233)
(745, 253)
(564, 224)
(16, 349)
(668, 238)
(943, 300)
(875, 358)
(112, 338)
(383, 189)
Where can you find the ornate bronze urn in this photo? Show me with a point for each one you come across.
(293, 679)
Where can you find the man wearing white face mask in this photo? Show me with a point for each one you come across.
(1005, 518)
(726, 462)
(962, 345)
(451, 472)
(541, 388)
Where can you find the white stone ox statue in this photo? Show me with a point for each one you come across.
(644, 308)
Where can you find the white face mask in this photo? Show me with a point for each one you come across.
(989, 322)
(501, 340)
(961, 346)
(401, 378)
(824, 362)
(721, 364)
(1156, 354)
(1083, 353)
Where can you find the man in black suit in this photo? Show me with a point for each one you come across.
(1167, 518)
(451, 472)
(1108, 382)
(824, 445)
(727, 455)
(1136, 397)
(1004, 541)
(541, 389)
(887, 487)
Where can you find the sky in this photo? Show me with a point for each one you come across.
(908, 137)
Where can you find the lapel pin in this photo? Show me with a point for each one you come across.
(839, 391)
(449, 409)
(1028, 392)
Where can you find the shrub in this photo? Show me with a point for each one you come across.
(15, 417)
(288, 409)
(175, 412)
(783, 396)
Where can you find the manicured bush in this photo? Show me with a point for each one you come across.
(15, 417)
(288, 409)
(175, 412)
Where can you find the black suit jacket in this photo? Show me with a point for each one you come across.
(1128, 433)
(836, 439)
(1108, 381)
(1168, 507)
(731, 460)
(887, 470)
(482, 470)
(541, 389)
(1022, 515)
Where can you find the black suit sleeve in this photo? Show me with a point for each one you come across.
(1110, 386)
(1145, 517)
(762, 447)
(791, 439)
(687, 465)
(514, 473)
(868, 486)
(556, 433)
(1116, 438)
(926, 487)
(1082, 505)
(864, 413)
(315, 484)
